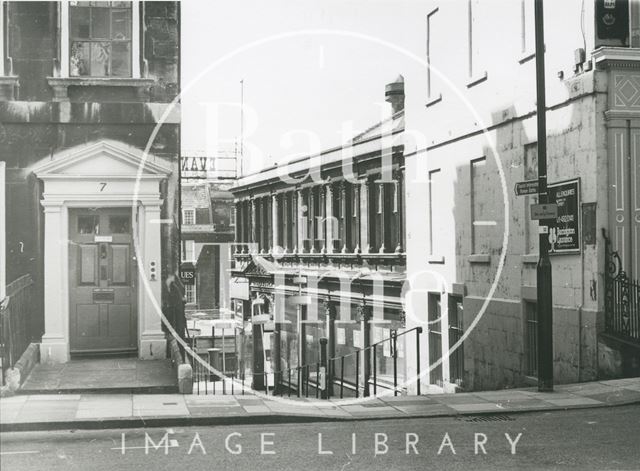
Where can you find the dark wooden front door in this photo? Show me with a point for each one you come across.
(102, 281)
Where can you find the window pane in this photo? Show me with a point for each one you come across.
(121, 24)
(79, 21)
(119, 224)
(79, 59)
(88, 224)
(121, 61)
(99, 23)
(100, 53)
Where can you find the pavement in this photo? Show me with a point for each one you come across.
(97, 411)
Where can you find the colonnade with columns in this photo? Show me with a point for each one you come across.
(364, 217)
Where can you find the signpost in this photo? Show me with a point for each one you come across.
(544, 211)
(543, 269)
(529, 187)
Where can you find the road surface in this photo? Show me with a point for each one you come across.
(603, 438)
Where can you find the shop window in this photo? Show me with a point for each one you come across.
(202, 216)
(100, 39)
(456, 329)
(435, 338)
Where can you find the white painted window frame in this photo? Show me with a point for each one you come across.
(189, 243)
(184, 212)
(187, 288)
(431, 93)
(2, 71)
(65, 43)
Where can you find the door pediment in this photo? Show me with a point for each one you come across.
(105, 159)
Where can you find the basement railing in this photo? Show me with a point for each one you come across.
(622, 298)
(15, 310)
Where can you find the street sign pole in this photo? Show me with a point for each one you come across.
(544, 284)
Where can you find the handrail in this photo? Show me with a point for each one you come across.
(286, 372)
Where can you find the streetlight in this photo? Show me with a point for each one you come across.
(543, 269)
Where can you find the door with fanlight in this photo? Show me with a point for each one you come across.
(102, 284)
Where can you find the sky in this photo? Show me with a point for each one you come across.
(314, 72)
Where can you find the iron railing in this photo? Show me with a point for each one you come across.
(622, 298)
(305, 380)
(15, 311)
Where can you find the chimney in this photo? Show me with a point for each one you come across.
(394, 94)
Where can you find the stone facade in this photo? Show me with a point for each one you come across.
(480, 127)
(45, 112)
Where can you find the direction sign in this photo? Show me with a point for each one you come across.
(529, 187)
(544, 211)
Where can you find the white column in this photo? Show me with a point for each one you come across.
(301, 223)
(55, 341)
(329, 227)
(274, 221)
(3, 241)
(152, 345)
(135, 39)
(364, 217)
(64, 39)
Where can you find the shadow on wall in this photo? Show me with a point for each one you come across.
(501, 350)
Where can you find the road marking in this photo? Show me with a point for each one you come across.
(485, 223)
(172, 444)
(25, 452)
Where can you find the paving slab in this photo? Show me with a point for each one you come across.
(49, 411)
(616, 395)
(574, 401)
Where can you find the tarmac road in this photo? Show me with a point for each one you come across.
(599, 438)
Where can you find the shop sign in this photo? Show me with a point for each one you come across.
(188, 274)
(564, 236)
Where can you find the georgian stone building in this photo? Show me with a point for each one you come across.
(472, 245)
(91, 171)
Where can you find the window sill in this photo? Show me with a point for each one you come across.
(479, 258)
(432, 101)
(435, 259)
(476, 79)
(60, 85)
(530, 258)
(526, 57)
